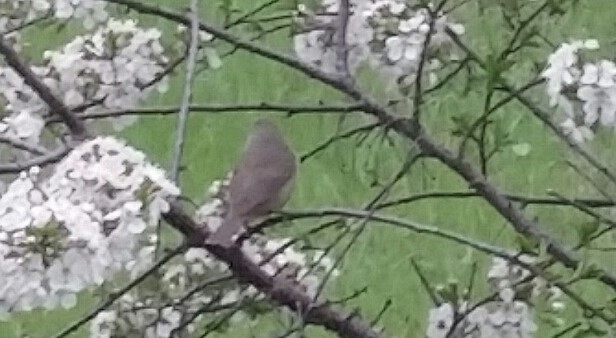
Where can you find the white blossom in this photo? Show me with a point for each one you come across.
(94, 226)
(114, 65)
(371, 40)
(593, 84)
(599, 104)
(185, 273)
(603, 74)
(577, 133)
(440, 321)
(561, 70)
(90, 12)
(506, 316)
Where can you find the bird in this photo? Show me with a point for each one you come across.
(262, 181)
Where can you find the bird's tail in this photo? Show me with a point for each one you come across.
(230, 226)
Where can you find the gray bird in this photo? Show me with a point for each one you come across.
(262, 181)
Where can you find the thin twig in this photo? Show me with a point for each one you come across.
(523, 25)
(288, 108)
(426, 284)
(49, 158)
(337, 137)
(19, 144)
(417, 227)
(537, 112)
(417, 98)
(26, 24)
(252, 12)
(116, 295)
(481, 120)
(525, 200)
(187, 95)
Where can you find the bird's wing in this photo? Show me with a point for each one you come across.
(252, 196)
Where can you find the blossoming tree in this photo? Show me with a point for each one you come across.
(83, 210)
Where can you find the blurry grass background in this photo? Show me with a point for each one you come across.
(341, 176)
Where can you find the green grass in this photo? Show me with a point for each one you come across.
(341, 176)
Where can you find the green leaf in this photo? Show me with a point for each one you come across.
(543, 251)
(585, 270)
(591, 271)
(590, 329)
(527, 245)
(449, 293)
(586, 230)
(521, 149)
(213, 60)
(555, 7)
(254, 27)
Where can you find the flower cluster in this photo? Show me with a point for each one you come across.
(115, 66)
(182, 300)
(193, 284)
(584, 92)
(177, 299)
(509, 315)
(388, 34)
(400, 33)
(137, 316)
(92, 218)
(90, 12)
(16, 14)
(315, 43)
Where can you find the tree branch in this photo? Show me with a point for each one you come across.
(291, 109)
(187, 95)
(281, 290)
(19, 144)
(48, 158)
(342, 50)
(74, 124)
(524, 200)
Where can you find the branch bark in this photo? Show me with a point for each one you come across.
(187, 95)
(282, 291)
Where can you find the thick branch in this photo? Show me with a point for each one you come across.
(283, 291)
